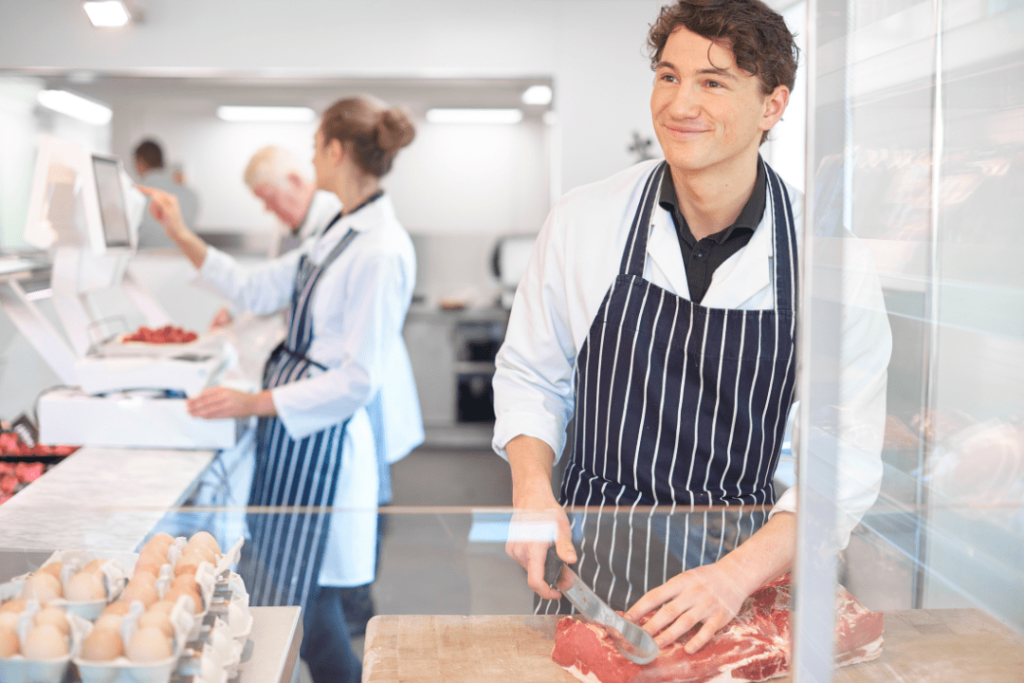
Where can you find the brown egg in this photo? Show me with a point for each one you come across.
(200, 551)
(164, 606)
(9, 620)
(157, 619)
(162, 537)
(207, 539)
(53, 569)
(93, 566)
(151, 568)
(110, 622)
(43, 588)
(117, 609)
(9, 645)
(102, 645)
(157, 556)
(158, 544)
(175, 593)
(143, 579)
(44, 642)
(185, 581)
(147, 595)
(187, 565)
(85, 587)
(54, 617)
(15, 605)
(149, 645)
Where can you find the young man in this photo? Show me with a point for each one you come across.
(659, 312)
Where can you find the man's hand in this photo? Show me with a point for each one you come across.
(221, 319)
(221, 402)
(708, 594)
(538, 517)
(714, 593)
(163, 206)
(529, 534)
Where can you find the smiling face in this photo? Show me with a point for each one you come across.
(709, 115)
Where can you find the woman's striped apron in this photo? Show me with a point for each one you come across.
(287, 548)
(678, 407)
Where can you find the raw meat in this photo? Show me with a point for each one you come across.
(168, 334)
(753, 647)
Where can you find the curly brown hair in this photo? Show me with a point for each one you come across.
(758, 36)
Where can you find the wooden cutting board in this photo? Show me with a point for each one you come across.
(921, 646)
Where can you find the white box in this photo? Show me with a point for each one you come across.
(188, 373)
(128, 420)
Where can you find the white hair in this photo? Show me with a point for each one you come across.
(271, 166)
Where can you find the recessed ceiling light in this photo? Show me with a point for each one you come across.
(78, 107)
(537, 94)
(499, 116)
(107, 13)
(237, 114)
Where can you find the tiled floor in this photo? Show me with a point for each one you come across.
(428, 564)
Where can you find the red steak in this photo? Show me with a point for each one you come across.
(753, 647)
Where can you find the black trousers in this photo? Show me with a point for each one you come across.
(326, 645)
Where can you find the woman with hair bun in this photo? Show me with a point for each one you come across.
(337, 389)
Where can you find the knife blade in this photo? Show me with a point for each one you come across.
(633, 642)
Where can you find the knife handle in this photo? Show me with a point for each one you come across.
(552, 567)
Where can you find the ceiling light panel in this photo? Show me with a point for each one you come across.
(471, 116)
(537, 94)
(237, 114)
(107, 13)
(75, 106)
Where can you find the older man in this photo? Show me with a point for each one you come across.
(275, 176)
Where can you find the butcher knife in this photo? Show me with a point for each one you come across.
(633, 642)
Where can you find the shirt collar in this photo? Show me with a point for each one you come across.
(748, 220)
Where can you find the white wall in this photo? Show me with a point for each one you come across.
(490, 179)
(593, 49)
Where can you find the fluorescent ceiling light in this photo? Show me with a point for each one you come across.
(506, 116)
(266, 114)
(107, 13)
(78, 107)
(537, 94)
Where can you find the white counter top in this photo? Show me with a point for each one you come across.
(100, 498)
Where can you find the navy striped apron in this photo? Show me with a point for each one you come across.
(287, 548)
(678, 407)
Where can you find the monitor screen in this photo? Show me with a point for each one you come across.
(111, 199)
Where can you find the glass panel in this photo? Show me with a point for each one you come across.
(917, 112)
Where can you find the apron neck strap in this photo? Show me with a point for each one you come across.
(785, 275)
(635, 255)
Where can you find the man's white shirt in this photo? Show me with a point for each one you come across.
(575, 259)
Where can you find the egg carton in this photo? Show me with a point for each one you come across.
(112, 573)
(122, 669)
(20, 669)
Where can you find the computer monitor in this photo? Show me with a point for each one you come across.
(113, 214)
(82, 206)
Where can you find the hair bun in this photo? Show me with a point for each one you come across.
(394, 130)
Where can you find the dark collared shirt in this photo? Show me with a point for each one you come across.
(701, 258)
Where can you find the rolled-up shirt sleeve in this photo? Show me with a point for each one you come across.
(357, 321)
(533, 391)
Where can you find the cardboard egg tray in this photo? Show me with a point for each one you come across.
(208, 645)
